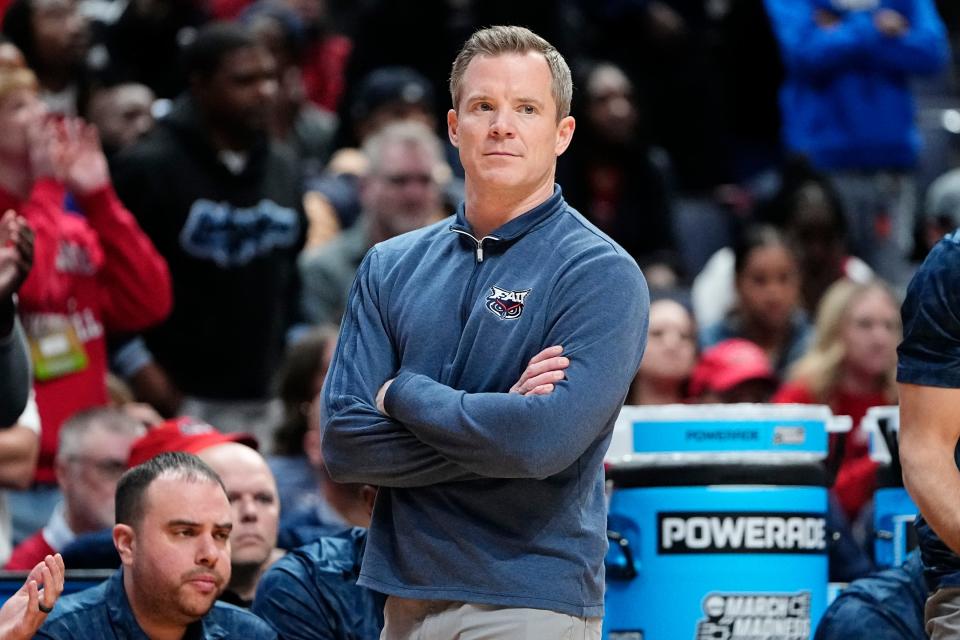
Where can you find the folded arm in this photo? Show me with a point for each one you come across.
(600, 319)
(360, 444)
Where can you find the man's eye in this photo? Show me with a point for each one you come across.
(528, 109)
(222, 535)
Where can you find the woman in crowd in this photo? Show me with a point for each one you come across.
(767, 312)
(851, 367)
(670, 355)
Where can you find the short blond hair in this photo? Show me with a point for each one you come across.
(501, 40)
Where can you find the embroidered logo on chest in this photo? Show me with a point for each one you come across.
(505, 304)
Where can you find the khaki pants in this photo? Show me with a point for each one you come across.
(407, 619)
(942, 614)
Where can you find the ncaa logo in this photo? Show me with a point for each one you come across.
(505, 304)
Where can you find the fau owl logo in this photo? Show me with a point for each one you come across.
(506, 305)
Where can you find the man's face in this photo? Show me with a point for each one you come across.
(401, 193)
(61, 33)
(610, 104)
(240, 94)
(506, 124)
(179, 559)
(89, 478)
(252, 492)
(122, 115)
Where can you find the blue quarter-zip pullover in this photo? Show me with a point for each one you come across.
(486, 496)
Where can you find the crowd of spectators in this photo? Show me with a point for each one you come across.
(194, 183)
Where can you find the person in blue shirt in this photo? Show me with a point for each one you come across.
(928, 373)
(172, 533)
(887, 605)
(481, 365)
(312, 594)
(847, 106)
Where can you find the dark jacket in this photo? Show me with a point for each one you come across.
(231, 242)
(885, 606)
(312, 593)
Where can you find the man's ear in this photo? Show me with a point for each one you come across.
(125, 540)
(60, 470)
(564, 134)
(452, 123)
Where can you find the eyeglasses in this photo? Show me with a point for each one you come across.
(403, 179)
(109, 468)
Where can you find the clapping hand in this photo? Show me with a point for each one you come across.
(82, 164)
(16, 253)
(891, 23)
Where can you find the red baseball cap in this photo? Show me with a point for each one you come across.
(729, 363)
(186, 434)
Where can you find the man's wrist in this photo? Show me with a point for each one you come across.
(382, 397)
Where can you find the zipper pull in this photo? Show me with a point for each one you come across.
(480, 251)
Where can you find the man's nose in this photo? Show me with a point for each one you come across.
(268, 88)
(502, 124)
(208, 552)
(248, 509)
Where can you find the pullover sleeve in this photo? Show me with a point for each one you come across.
(810, 50)
(14, 375)
(359, 443)
(136, 282)
(923, 50)
(599, 313)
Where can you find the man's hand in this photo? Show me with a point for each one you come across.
(16, 253)
(543, 371)
(21, 615)
(381, 394)
(890, 23)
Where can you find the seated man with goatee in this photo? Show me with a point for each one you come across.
(173, 536)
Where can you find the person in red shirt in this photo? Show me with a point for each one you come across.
(94, 270)
(851, 367)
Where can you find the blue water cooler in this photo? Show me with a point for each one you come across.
(717, 523)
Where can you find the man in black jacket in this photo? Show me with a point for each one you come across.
(222, 203)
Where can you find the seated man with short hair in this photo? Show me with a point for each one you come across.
(92, 451)
(173, 535)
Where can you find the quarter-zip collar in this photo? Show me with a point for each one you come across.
(512, 229)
